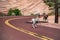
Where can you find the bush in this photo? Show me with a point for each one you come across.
(32, 14)
(2, 14)
(10, 12)
(15, 12)
(51, 13)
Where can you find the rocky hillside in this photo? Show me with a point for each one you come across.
(26, 6)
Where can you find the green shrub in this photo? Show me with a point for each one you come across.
(15, 12)
(10, 12)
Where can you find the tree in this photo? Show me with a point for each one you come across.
(50, 4)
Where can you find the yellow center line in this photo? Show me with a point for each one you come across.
(26, 31)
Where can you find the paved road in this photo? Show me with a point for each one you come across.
(18, 28)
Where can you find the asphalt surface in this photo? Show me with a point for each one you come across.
(8, 33)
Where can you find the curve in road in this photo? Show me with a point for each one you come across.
(26, 31)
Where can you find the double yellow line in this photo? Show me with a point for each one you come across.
(26, 31)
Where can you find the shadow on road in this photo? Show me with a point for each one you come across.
(38, 22)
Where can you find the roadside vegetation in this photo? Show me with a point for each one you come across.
(52, 5)
(15, 12)
(2, 14)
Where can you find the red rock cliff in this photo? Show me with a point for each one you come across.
(26, 6)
